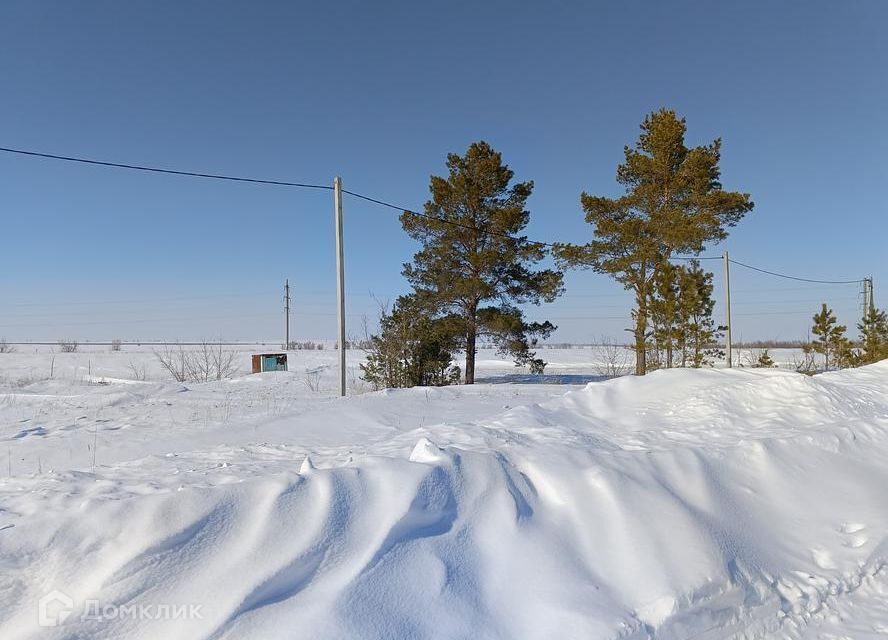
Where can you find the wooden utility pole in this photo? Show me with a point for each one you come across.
(728, 357)
(287, 313)
(340, 279)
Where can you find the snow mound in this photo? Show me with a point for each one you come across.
(685, 504)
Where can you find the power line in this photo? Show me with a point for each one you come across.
(282, 183)
(151, 301)
(192, 174)
(689, 258)
(383, 203)
(118, 321)
(783, 275)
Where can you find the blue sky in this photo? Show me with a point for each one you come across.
(379, 93)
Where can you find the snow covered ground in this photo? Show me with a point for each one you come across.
(706, 504)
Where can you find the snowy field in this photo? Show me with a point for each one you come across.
(707, 504)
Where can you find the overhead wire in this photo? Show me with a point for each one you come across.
(193, 174)
(783, 275)
(377, 201)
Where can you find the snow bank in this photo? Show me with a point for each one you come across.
(686, 504)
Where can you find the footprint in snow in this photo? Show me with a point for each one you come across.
(855, 542)
(855, 539)
(822, 559)
(24, 433)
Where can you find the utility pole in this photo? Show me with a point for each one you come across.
(340, 279)
(865, 299)
(869, 305)
(287, 313)
(728, 356)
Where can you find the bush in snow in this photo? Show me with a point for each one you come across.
(764, 360)
(68, 346)
(412, 349)
(207, 362)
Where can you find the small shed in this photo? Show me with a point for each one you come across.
(269, 362)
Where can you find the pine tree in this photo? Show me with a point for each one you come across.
(663, 308)
(830, 341)
(873, 336)
(674, 203)
(698, 329)
(680, 317)
(411, 349)
(474, 265)
(764, 360)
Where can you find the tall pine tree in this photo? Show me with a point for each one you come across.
(474, 265)
(673, 203)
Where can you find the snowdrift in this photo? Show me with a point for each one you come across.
(685, 504)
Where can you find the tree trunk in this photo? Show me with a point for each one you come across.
(640, 331)
(471, 339)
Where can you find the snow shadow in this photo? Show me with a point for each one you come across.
(546, 378)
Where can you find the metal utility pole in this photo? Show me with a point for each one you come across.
(340, 279)
(728, 356)
(287, 313)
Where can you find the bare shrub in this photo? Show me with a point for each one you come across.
(616, 358)
(807, 363)
(307, 345)
(116, 345)
(312, 379)
(209, 361)
(21, 382)
(68, 346)
(137, 370)
(5, 347)
(173, 360)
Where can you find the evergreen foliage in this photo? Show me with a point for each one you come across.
(673, 203)
(663, 309)
(474, 266)
(411, 349)
(765, 361)
(699, 331)
(684, 333)
(831, 342)
(873, 336)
